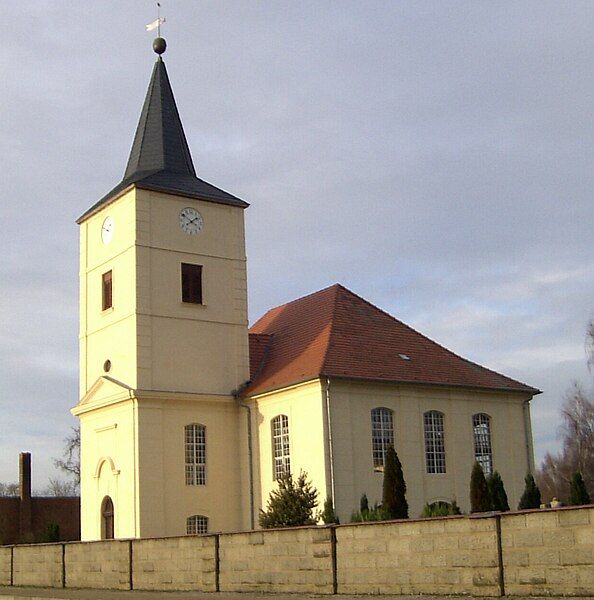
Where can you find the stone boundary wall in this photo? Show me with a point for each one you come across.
(6, 566)
(549, 552)
(38, 565)
(97, 565)
(182, 563)
(290, 560)
(455, 555)
(538, 552)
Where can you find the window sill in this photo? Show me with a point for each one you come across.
(107, 311)
(182, 303)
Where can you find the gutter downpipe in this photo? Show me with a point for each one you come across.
(330, 448)
(250, 459)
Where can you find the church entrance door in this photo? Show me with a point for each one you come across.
(107, 529)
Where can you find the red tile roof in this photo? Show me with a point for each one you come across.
(335, 333)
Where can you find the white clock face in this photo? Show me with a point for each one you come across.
(107, 230)
(190, 220)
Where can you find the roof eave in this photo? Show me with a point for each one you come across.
(116, 193)
(247, 393)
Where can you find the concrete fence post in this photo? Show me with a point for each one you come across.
(334, 559)
(501, 574)
(217, 562)
(63, 565)
(130, 562)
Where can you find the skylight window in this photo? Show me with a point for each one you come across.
(404, 356)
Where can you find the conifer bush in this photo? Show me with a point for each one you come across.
(479, 492)
(364, 504)
(578, 494)
(531, 496)
(441, 509)
(497, 492)
(292, 504)
(394, 489)
(329, 514)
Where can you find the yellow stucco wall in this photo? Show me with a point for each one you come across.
(108, 465)
(108, 334)
(172, 363)
(351, 404)
(305, 410)
(165, 499)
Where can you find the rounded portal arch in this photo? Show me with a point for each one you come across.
(107, 519)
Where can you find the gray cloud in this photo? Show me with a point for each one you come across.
(434, 158)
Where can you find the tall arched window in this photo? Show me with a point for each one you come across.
(481, 429)
(280, 446)
(107, 519)
(195, 449)
(382, 435)
(434, 442)
(196, 524)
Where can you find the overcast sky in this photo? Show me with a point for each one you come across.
(434, 157)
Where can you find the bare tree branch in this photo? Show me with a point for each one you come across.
(70, 463)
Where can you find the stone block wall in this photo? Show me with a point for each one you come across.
(181, 563)
(290, 560)
(5, 565)
(454, 555)
(549, 552)
(98, 565)
(38, 565)
(527, 553)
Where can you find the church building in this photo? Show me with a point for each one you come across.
(188, 417)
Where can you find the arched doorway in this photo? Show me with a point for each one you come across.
(107, 529)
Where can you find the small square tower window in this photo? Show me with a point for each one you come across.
(191, 283)
(106, 291)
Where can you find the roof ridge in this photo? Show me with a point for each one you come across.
(279, 306)
(433, 341)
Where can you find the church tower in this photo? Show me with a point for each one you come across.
(163, 342)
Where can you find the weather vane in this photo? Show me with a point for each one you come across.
(159, 44)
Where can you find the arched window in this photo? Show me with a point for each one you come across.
(382, 435)
(195, 447)
(196, 524)
(107, 521)
(434, 442)
(280, 446)
(481, 429)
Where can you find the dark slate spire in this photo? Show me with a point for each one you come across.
(160, 158)
(160, 143)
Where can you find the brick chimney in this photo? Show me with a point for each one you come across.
(25, 493)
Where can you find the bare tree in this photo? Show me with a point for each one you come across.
(590, 345)
(577, 454)
(70, 463)
(9, 489)
(58, 487)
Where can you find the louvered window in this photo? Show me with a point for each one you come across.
(191, 283)
(106, 290)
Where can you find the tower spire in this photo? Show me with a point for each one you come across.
(160, 157)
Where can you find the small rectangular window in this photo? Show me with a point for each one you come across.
(106, 287)
(191, 283)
